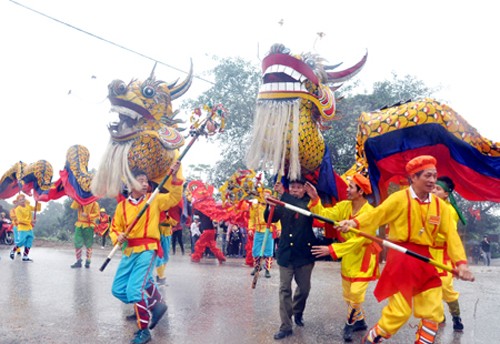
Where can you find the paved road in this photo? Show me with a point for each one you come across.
(47, 302)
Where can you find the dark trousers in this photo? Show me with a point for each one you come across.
(296, 303)
(177, 237)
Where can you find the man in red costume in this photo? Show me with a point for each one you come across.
(203, 207)
(415, 217)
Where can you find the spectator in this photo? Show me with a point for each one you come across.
(486, 250)
(177, 238)
(195, 231)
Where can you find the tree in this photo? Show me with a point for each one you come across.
(236, 87)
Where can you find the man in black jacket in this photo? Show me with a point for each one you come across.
(295, 259)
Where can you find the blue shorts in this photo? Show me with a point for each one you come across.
(25, 238)
(258, 239)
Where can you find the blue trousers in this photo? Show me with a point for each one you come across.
(133, 276)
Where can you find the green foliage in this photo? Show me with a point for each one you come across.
(236, 87)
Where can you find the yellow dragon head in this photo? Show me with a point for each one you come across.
(145, 136)
(295, 99)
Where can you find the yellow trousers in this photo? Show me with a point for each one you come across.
(354, 292)
(449, 293)
(426, 305)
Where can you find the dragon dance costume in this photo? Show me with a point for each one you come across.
(439, 252)
(13, 218)
(24, 215)
(257, 224)
(166, 225)
(84, 231)
(133, 282)
(407, 282)
(359, 256)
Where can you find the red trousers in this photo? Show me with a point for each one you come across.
(207, 239)
(248, 249)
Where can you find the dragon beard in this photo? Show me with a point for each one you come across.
(276, 137)
(114, 171)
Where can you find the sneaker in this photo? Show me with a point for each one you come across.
(18, 253)
(157, 313)
(141, 337)
(359, 325)
(27, 259)
(11, 255)
(268, 274)
(457, 324)
(78, 264)
(131, 317)
(87, 264)
(161, 281)
(254, 271)
(348, 331)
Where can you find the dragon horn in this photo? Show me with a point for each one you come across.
(335, 77)
(152, 75)
(179, 90)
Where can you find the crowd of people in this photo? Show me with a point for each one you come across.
(421, 218)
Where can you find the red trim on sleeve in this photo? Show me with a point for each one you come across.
(178, 182)
(461, 262)
(332, 252)
(357, 222)
(314, 202)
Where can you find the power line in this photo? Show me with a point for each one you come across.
(108, 41)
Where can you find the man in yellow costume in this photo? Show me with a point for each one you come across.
(25, 222)
(415, 217)
(262, 242)
(13, 218)
(444, 190)
(359, 255)
(133, 282)
(88, 215)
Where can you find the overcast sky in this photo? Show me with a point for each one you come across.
(451, 44)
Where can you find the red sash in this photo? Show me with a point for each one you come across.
(145, 242)
(406, 274)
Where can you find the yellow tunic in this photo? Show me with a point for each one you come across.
(166, 226)
(147, 226)
(414, 222)
(439, 253)
(353, 249)
(13, 217)
(24, 216)
(256, 220)
(87, 214)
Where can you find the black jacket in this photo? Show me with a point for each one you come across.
(297, 236)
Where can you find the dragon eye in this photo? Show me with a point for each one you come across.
(117, 87)
(148, 91)
(310, 62)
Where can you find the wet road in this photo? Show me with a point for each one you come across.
(47, 302)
